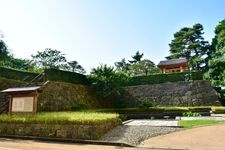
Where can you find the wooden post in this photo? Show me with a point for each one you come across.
(10, 104)
(181, 69)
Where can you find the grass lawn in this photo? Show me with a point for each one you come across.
(194, 123)
(91, 118)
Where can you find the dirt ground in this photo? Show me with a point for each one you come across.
(200, 138)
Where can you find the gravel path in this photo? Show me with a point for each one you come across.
(134, 135)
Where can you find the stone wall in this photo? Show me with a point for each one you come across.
(61, 96)
(193, 93)
(85, 132)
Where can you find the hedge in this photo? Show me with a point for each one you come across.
(163, 78)
(16, 74)
(156, 109)
(65, 76)
(218, 109)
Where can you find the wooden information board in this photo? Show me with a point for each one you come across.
(22, 104)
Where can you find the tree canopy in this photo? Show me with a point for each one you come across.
(4, 52)
(136, 58)
(21, 64)
(143, 68)
(122, 65)
(76, 67)
(136, 67)
(50, 58)
(216, 64)
(188, 42)
(107, 80)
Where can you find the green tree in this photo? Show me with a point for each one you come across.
(21, 64)
(216, 63)
(143, 68)
(136, 58)
(4, 52)
(189, 43)
(122, 65)
(50, 58)
(107, 81)
(76, 67)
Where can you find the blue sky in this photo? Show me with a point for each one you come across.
(103, 31)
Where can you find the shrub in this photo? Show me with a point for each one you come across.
(123, 117)
(109, 84)
(191, 114)
(145, 104)
(107, 81)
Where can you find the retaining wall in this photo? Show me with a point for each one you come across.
(193, 93)
(86, 132)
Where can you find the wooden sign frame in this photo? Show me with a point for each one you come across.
(33, 95)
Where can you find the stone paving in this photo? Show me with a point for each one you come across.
(219, 118)
(158, 123)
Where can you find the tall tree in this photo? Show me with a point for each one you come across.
(189, 43)
(136, 58)
(50, 58)
(76, 67)
(217, 58)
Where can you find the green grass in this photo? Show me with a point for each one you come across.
(89, 118)
(195, 123)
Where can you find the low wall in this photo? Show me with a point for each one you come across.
(193, 93)
(85, 132)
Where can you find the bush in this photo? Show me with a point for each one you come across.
(17, 75)
(191, 114)
(123, 117)
(66, 76)
(163, 78)
(145, 104)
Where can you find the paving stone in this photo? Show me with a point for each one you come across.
(159, 123)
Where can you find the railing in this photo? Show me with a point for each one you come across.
(39, 78)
